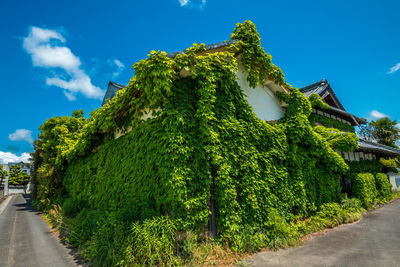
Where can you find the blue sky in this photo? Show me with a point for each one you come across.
(58, 56)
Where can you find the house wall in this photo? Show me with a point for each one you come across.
(394, 179)
(264, 102)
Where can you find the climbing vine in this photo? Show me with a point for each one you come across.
(331, 123)
(202, 153)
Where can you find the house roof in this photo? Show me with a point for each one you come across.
(208, 47)
(325, 91)
(111, 91)
(377, 148)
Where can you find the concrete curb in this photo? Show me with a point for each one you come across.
(4, 203)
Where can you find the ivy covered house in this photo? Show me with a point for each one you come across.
(210, 140)
(269, 108)
(212, 136)
(334, 115)
(266, 105)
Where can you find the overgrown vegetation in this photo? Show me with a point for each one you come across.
(330, 123)
(56, 136)
(203, 158)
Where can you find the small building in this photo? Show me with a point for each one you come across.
(112, 89)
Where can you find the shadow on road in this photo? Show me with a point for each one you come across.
(27, 206)
(60, 236)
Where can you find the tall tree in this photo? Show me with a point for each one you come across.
(384, 131)
(18, 176)
(57, 135)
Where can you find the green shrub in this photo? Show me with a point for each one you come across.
(83, 226)
(330, 211)
(251, 239)
(108, 243)
(383, 187)
(351, 204)
(72, 207)
(363, 187)
(151, 243)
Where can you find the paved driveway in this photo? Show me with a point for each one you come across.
(26, 240)
(374, 241)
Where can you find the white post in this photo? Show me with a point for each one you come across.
(7, 169)
(6, 186)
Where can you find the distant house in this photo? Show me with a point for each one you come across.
(367, 150)
(111, 91)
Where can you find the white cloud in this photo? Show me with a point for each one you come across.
(41, 45)
(6, 157)
(120, 66)
(378, 115)
(193, 3)
(183, 2)
(21, 134)
(394, 68)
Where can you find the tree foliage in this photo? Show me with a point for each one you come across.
(56, 136)
(384, 131)
(18, 176)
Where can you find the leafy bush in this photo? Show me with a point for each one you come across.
(251, 239)
(330, 211)
(383, 187)
(351, 204)
(151, 243)
(83, 226)
(71, 207)
(108, 243)
(363, 187)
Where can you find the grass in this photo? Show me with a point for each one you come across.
(195, 251)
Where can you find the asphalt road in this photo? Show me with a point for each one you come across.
(374, 241)
(26, 239)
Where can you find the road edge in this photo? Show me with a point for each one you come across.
(4, 202)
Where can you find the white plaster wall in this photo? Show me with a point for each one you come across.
(392, 179)
(264, 102)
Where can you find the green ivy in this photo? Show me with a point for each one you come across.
(339, 141)
(316, 101)
(383, 186)
(364, 188)
(370, 166)
(202, 145)
(330, 123)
